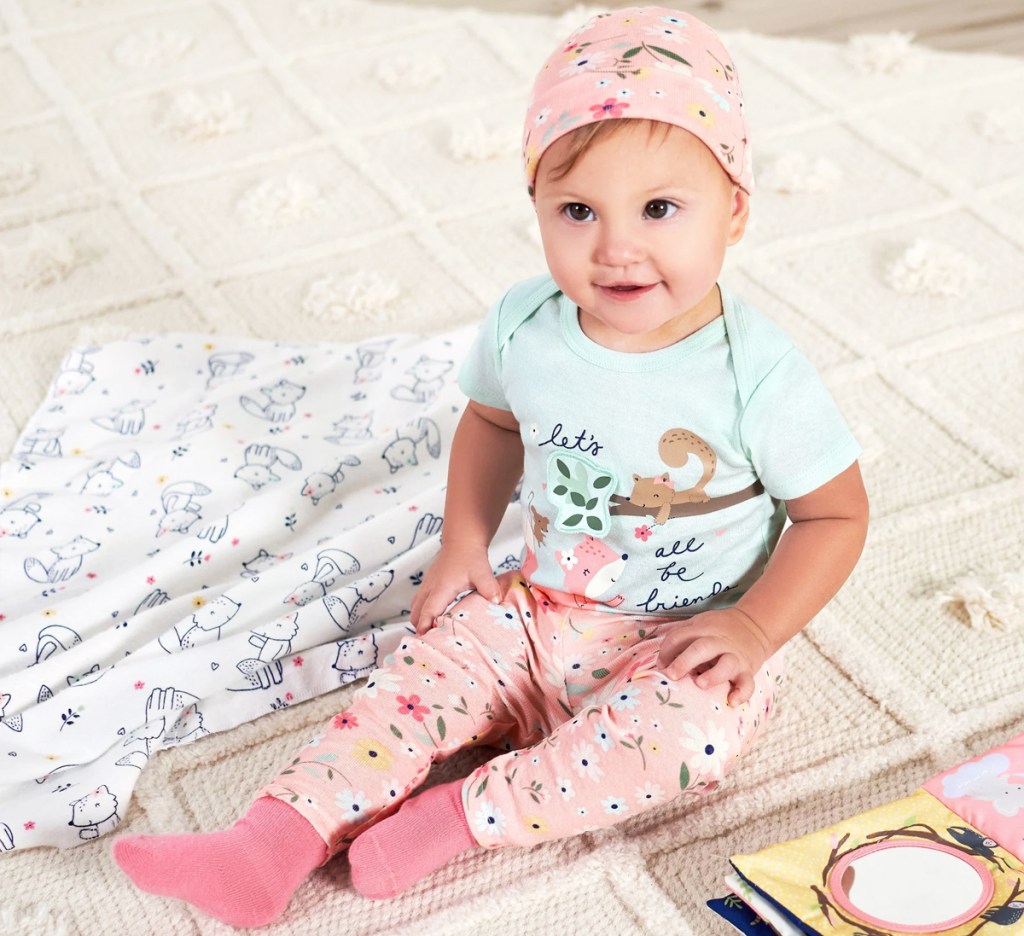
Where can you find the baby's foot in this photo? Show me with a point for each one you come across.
(244, 876)
(427, 832)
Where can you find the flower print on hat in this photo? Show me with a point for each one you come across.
(642, 63)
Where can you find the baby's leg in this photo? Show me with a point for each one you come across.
(431, 697)
(644, 741)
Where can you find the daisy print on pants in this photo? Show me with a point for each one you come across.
(585, 762)
(710, 749)
(488, 819)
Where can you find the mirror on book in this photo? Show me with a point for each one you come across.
(911, 887)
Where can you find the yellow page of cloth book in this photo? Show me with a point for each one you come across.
(948, 859)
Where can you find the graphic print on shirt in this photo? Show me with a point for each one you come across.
(592, 569)
(582, 491)
(658, 493)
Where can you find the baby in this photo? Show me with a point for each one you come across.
(664, 432)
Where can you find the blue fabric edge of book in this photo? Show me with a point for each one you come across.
(746, 920)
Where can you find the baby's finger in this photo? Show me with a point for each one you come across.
(432, 607)
(743, 689)
(697, 654)
(726, 669)
(484, 582)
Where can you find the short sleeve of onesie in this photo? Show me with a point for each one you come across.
(480, 374)
(793, 432)
(481, 377)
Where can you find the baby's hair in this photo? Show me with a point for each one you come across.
(582, 138)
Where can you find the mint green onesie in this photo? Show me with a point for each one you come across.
(653, 482)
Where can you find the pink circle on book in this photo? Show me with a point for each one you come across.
(911, 893)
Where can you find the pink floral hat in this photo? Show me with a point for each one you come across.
(637, 63)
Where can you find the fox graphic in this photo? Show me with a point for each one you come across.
(280, 404)
(20, 516)
(428, 380)
(95, 814)
(203, 627)
(591, 570)
(402, 451)
(65, 566)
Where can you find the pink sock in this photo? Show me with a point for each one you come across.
(428, 831)
(244, 875)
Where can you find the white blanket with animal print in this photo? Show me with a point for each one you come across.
(196, 532)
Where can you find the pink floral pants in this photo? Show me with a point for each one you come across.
(591, 731)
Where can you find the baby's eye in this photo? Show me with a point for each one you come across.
(575, 211)
(659, 209)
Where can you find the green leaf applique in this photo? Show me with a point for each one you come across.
(582, 492)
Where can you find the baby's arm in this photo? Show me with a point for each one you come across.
(812, 560)
(486, 463)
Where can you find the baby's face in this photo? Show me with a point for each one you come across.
(635, 234)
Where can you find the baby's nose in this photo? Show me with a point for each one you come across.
(619, 246)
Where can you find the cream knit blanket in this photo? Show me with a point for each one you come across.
(335, 171)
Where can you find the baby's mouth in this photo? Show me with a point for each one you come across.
(626, 290)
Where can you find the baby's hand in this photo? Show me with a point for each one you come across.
(459, 567)
(716, 647)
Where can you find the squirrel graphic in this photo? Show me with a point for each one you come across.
(658, 494)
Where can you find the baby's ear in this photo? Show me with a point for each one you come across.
(740, 214)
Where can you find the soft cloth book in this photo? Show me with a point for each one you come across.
(948, 859)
